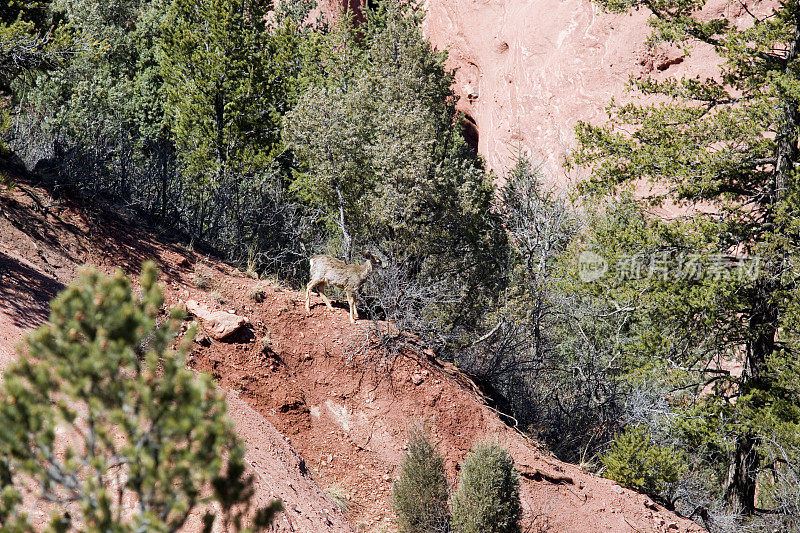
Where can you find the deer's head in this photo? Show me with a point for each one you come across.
(371, 258)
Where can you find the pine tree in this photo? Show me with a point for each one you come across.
(232, 69)
(636, 462)
(381, 155)
(100, 114)
(228, 78)
(100, 412)
(27, 45)
(487, 499)
(419, 495)
(725, 150)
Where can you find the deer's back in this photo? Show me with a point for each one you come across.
(335, 272)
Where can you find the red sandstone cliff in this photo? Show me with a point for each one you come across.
(528, 70)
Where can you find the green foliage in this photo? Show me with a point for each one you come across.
(637, 463)
(228, 79)
(382, 157)
(487, 499)
(102, 109)
(130, 117)
(25, 42)
(419, 495)
(5, 125)
(101, 411)
(724, 149)
(11, 519)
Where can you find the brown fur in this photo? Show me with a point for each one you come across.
(327, 270)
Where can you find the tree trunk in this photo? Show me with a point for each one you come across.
(740, 484)
(219, 113)
(347, 241)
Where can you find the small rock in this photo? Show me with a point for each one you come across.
(618, 489)
(218, 324)
(416, 379)
(202, 339)
(386, 477)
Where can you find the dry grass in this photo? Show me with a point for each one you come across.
(202, 280)
(266, 344)
(339, 496)
(218, 297)
(259, 292)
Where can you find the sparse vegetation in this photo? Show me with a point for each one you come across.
(258, 292)
(339, 496)
(266, 344)
(487, 499)
(419, 496)
(202, 281)
(217, 297)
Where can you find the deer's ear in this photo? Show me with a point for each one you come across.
(364, 253)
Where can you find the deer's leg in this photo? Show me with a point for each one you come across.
(353, 311)
(309, 287)
(321, 291)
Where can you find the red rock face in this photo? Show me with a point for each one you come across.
(528, 70)
(332, 8)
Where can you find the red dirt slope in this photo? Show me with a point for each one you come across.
(324, 384)
(39, 253)
(347, 406)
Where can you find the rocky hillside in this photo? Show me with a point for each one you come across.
(322, 407)
(42, 247)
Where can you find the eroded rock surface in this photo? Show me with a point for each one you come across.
(528, 70)
(218, 324)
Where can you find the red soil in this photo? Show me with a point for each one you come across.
(341, 402)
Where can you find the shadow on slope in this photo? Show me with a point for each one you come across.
(25, 293)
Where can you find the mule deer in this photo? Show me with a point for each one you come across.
(326, 270)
